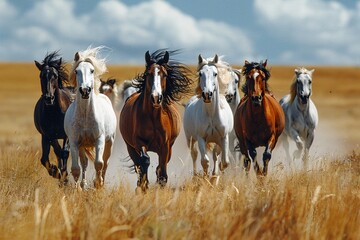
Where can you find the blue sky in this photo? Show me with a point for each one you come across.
(288, 32)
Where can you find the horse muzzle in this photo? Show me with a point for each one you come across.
(257, 100)
(207, 96)
(304, 99)
(85, 92)
(229, 97)
(49, 99)
(157, 100)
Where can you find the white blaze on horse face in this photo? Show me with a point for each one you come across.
(304, 88)
(156, 87)
(208, 75)
(85, 75)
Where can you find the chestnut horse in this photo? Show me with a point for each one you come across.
(149, 120)
(50, 111)
(259, 119)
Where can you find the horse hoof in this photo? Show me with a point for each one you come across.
(83, 184)
(98, 183)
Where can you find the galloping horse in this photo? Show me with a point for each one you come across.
(208, 120)
(301, 116)
(149, 120)
(90, 121)
(232, 95)
(259, 119)
(50, 111)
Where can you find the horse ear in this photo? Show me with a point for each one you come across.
(166, 57)
(246, 62)
(264, 63)
(200, 59)
(147, 57)
(58, 62)
(216, 58)
(38, 65)
(77, 56)
(311, 72)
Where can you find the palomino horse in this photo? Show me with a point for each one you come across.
(232, 95)
(301, 116)
(259, 118)
(208, 118)
(149, 120)
(90, 121)
(50, 111)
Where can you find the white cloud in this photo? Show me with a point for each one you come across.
(325, 29)
(128, 30)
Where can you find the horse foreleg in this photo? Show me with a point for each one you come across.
(84, 164)
(251, 154)
(204, 157)
(99, 162)
(45, 144)
(217, 163)
(75, 167)
(267, 153)
(144, 164)
(299, 143)
(224, 153)
(64, 158)
(308, 142)
(161, 172)
(57, 149)
(194, 154)
(106, 156)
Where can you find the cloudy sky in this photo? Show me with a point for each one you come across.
(296, 32)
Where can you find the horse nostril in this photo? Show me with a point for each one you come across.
(160, 98)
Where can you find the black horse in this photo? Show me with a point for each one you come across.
(50, 111)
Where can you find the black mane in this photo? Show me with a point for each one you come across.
(178, 81)
(247, 69)
(52, 60)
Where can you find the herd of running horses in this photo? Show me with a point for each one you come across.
(79, 108)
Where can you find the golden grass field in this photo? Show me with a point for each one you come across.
(322, 202)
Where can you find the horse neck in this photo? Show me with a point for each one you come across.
(62, 99)
(301, 107)
(85, 107)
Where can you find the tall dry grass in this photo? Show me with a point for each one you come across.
(323, 203)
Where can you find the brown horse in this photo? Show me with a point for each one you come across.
(259, 119)
(149, 120)
(49, 113)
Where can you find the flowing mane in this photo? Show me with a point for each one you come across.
(177, 80)
(90, 55)
(52, 60)
(246, 70)
(293, 89)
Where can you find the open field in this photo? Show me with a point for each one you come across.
(291, 203)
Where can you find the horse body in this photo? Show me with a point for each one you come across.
(233, 98)
(49, 113)
(208, 120)
(90, 121)
(301, 116)
(149, 120)
(259, 119)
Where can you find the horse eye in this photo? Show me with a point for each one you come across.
(76, 72)
(200, 74)
(215, 74)
(92, 70)
(310, 81)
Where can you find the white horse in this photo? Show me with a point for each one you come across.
(208, 118)
(301, 115)
(126, 90)
(90, 121)
(232, 95)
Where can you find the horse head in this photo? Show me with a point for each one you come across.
(49, 77)
(208, 74)
(256, 76)
(231, 90)
(156, 75)
(303, 84)
(107, 87)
